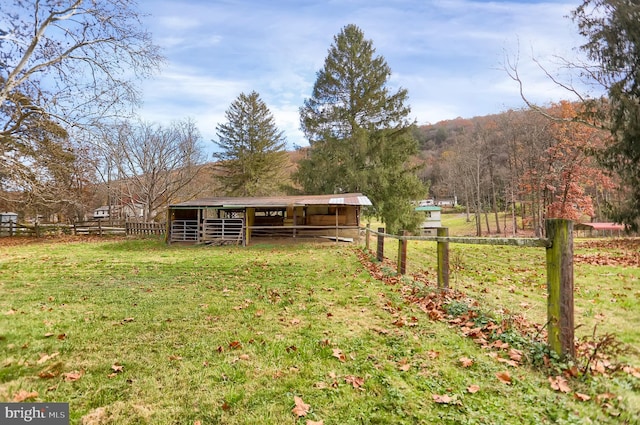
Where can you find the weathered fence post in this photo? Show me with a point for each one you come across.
(380, 253)
(443, 259)
(367, 234)
(402, 254)
(560, 287)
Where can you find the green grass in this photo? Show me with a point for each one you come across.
(230, 335)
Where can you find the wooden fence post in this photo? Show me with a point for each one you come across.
(380, 253)
(443, 260)
(560, 287)
(402, 254)
(367, 234)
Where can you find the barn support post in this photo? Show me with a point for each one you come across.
(560, 314)
(443, 259)
(249, 219)
(380, 252)
(402, 254)
(337, 232)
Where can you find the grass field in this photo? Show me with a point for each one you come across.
(137, 332)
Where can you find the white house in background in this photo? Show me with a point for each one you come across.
(100, 213)
(447, 202)
(432, 219)
(120, 212)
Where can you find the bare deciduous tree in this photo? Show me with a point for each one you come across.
(64, 67)
(155, 164)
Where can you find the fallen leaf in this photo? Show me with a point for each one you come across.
(10, 312)
(295, 321)
(582, 397)
(175, 357)
(23, 395)
(225, 406)
(337, 353)
(473, 389)
(356, 381)
(404, 367)
(633, 371)
(49, 334)
(128, 320)
(243, 357)
(515, 355)
(465, 362)
(117, 368)
(309, 422)
(301, 408)
(46, 357)
(72, 376)
(442, 399)
(197, 423)
(504, 377)
(605, 396)
(62, 336)
(433, 354)
(559, 383)
(234, 345)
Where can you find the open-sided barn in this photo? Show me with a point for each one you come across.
(241, 218)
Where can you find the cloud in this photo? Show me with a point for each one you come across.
(447, 54)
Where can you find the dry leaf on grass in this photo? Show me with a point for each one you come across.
(473, 389)
(301, 408)
(465, 362)
(442, 399)
(356, 381)
(46, 357)
(309, 422)
(23, 395)
(338, 354)
(582, 397)
(504, 377)
(559, 383)
(72, 376)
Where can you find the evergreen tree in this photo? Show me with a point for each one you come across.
(359, 132)
(253, 156)
(612, 29)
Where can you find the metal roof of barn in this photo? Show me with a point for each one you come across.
(357, 199)
(599, 226)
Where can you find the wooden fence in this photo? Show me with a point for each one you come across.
(93, 227)
(559, 259)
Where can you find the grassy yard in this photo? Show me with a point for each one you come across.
(136, 332)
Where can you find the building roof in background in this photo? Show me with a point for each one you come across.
(599, 226)
(277, 201)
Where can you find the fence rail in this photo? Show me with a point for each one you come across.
(559, 259)
(93, 227)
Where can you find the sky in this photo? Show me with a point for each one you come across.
(450, 55)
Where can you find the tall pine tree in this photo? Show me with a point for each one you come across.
(252, 149)
(359, 132)
(612, 30)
